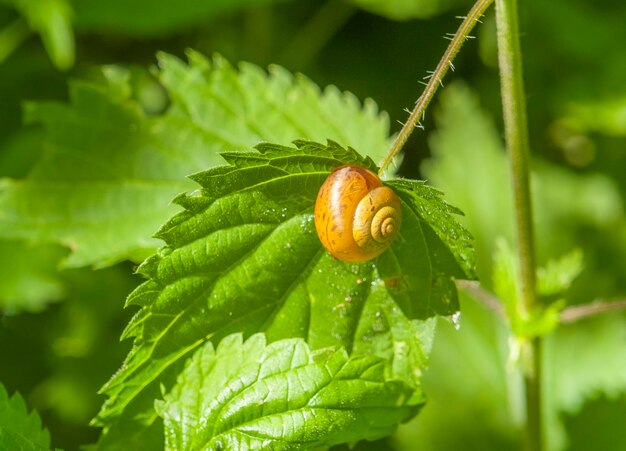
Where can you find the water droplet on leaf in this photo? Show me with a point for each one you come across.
(456, 320)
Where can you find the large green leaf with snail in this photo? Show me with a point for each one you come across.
(244, 257)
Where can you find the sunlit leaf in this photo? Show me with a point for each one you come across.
(482, 413)
(280, 396)
(52, 19)
(110, 170)
(244, 257)
(18, 428)
(469, 164)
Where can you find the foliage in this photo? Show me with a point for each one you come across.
(106, 207)
(576, 352)
(244, 256)
(243, 394)
(110, 135)
(454, 167)
(67, 351)
(18, 428)
(475, 353)
(52, 19)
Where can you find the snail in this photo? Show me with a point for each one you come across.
(356, 217)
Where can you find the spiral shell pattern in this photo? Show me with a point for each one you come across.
(356, 217)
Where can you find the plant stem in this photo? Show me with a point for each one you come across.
(578, 312)
(516, 133)
(567, 316)
(435, 79)
(533, 352)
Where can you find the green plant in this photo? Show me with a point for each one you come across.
(246, 333)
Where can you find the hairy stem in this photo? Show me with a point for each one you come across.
(516, 133)
(435, 79)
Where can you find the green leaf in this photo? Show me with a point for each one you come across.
(606, 116)
(152, 18)
(557, 276)
(469, 164)
(101, 186)
(239, 109)
(52, 19)
(587, 359)
(28, 276)
(244, 257)
(280, 396)
(505, 276)
(109, 170)
(20, 151)
(553, 281)
(405, 9)
(468, 153)
(19, 429)
(599, 425)
(386, 332)
(485, 410)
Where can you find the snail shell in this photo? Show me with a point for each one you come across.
(356, 217)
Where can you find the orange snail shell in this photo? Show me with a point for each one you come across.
(356, 217)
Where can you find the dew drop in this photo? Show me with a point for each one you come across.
(305, 222)
(456, 320)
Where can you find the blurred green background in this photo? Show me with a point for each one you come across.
(59, 328)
